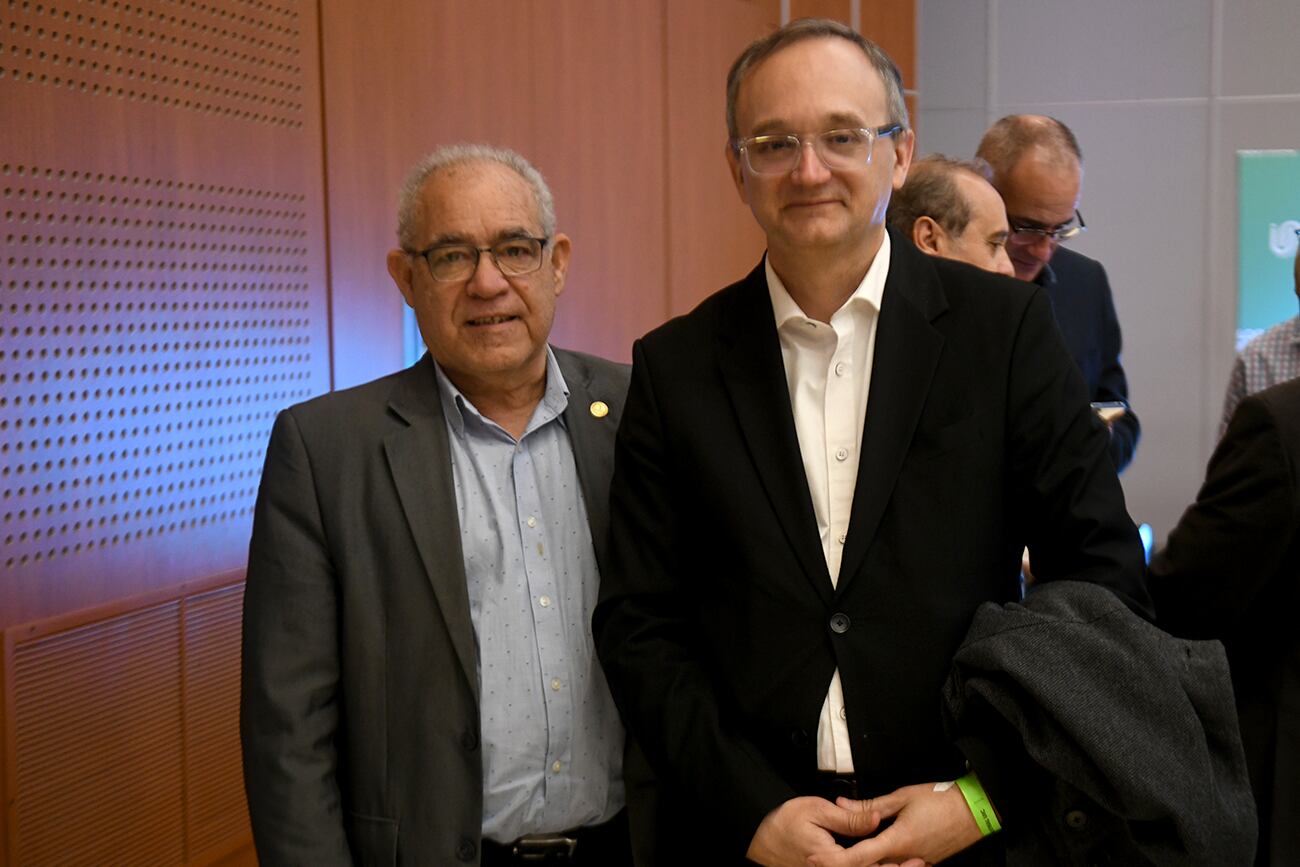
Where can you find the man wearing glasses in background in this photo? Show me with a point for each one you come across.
(419, 681)
(1038, 170)
(821, 473)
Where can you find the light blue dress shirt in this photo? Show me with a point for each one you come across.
(552, 739)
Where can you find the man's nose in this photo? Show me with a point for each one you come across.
(810, 168)
(487, 279)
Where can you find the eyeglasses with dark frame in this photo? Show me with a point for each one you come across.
(1060, 234)
(513, 257)
(848, 148)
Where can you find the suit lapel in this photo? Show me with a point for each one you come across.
(592, 440)
(754, 376)
(420, 461)
(907, 353)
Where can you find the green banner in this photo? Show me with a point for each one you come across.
(1268, 189)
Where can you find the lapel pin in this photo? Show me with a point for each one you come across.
(599, 408)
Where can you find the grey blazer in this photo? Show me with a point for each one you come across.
(1117, 743)
(359, 718)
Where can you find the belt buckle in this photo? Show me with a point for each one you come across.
(544, 847)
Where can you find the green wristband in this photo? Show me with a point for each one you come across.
(980, 808)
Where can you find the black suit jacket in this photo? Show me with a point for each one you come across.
(1085, 311)
(717, 624)
(360, 716)
(1231, 570)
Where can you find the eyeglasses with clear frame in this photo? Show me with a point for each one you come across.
(1058, 235)
(513, 257)
(836, 148)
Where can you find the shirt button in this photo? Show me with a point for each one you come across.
(532, 522)
(840, 623)
(544, 601)
(841, 454)
(840, 368)
(844, 713)
(557, 767)
(842, 537)
(555, 684)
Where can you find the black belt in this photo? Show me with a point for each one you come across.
(590, 846)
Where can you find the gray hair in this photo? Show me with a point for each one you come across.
(815, 28)
(931, 191)
(410, 200)
(1008, 139)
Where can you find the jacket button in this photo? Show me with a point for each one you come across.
(840, 623)
(469, 740)
(799, 738)
(466, 850)
(1076, 819)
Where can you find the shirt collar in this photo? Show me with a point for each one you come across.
(457, 408)
(870, 291)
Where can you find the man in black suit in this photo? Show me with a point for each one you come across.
(1038, 170)
(419, 684)
(821, 473)
(1231, 571)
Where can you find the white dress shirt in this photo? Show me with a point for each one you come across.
(828, 371)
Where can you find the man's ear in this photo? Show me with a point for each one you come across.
(737, 172)
(399, 268)
(904, 144)
(928, 236)
(561, 247)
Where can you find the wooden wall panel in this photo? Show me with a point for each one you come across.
(839, 10)
(120, 734)
(713, 239)
(162, 285)
(892, 25)
(575, 86)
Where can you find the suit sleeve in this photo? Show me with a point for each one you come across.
(1230, 542)
(289, 713)
(1078, 527)
(1112, 384)
(646, 641)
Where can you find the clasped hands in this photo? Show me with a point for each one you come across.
(928, 826)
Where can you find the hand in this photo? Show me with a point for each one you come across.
(803, 826)
(928, 827)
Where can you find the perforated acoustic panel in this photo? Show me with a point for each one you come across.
(162, 297)
(151, 330)
(162, 287)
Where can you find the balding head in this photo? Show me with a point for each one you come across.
(948, 208)
(1038, 170)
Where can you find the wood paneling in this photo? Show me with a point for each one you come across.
(162, 285)
(891, 24)
(713, 239)
(575, 86)
(839, 10)
(120, 732)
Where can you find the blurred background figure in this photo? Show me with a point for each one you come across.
(948, 207)
(1231, 571)
(1270, 358)
(1038, 170)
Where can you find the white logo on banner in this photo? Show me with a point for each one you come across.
(1282, 238)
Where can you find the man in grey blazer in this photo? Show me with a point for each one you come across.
(419, 684)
